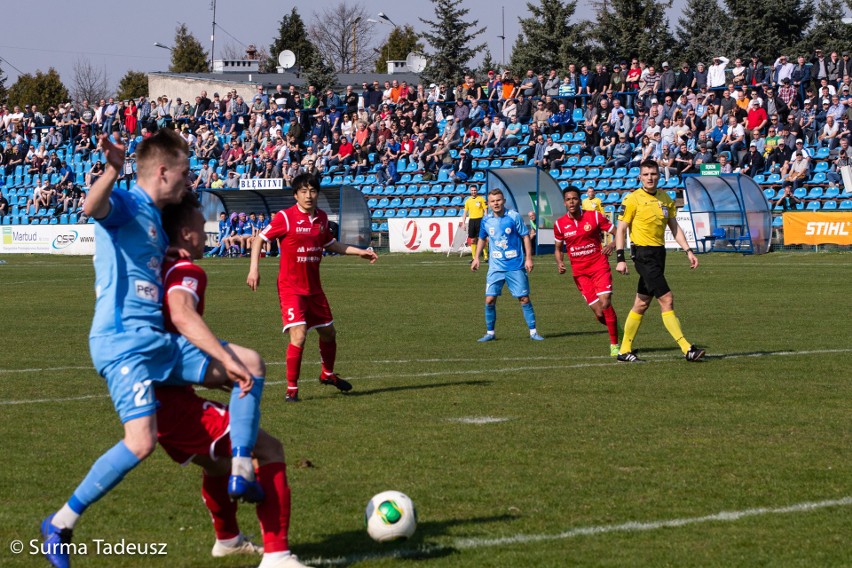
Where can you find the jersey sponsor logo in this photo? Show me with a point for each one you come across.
(300, 250)
(511, 254)
(300, 221)
(152, 232)
(497, 254)
(147, 290)
(190, 283)
(508, 230)
(491, 231)
(587, 227)
(154, 264)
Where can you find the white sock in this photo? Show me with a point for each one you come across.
(230, 542)
(243, 467)
(533, 332)
(489, 332)
(65, 518)
(270, 558)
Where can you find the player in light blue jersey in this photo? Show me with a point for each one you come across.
(224, 229)
(128, 342)
(509, 263)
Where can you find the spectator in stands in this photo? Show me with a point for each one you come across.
(796, 172)
(778, 157)
(463, 168)
(524, 109)
(94, 173)
(788, 201)
(4, 205)
(753, 163)
(843, 159)
(554, 154)
(386, 174)
(828, 135)
(683, 161)
(733, 140)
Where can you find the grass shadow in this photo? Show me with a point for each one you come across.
(368, 392)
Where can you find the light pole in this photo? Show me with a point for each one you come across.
(384, 16)
(388, 22)
(160, 45)
(354, 65)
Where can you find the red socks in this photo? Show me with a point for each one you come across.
(294, 366)
(214, 491)
(274, 511)
(611, 322)
(328, 353)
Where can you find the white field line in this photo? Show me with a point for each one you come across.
(478, 420)
(445, 373)
(628, 527)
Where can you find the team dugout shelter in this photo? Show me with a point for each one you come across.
(729, 213)
(530, 189)
(345, 206)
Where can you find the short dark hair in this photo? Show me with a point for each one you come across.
(177, 215)
(572, 189)
(496, 191)
(652, 164)
(305, 180)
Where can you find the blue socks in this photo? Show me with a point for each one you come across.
(529, 314)
(490, 316)
(245, 417)
(104, 475)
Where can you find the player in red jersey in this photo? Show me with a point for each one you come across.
(303, 234)
(581, 232)
(193, 429)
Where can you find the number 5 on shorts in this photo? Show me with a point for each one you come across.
(290, 315)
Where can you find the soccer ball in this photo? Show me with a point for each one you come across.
(390, 515)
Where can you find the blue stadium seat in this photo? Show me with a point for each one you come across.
(617, 184)
(375, 227)
(572, 161)
(585, 161)
(378, 214)
(384, 202)
(563, 184)
(801, 193)
(438, 213)
(607, 173)
(603, 184)
(451, 212)
(431, 201)
(598, 161)
(831, 193)
(774, 179)
(419, 202)
(634, 172)
(414, 212)
(818, 178)
(759, 179)
(821, 167)
(822, 154)
(577, 116)
(815, 192)
(813, 206)
(778, 222)
(846, 204)
(554, 173)
(579, 173)
(478, 176)
(326, 180)
(383, 227)
(769, 193)
(426, 213)
(829, 206)
(594, 172)
(590, 183)
(408, 202)
(405, 178)
(395, 202)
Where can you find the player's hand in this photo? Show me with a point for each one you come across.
(253, 279)
(621, 268)
(528, 264)
(560, 267)
(693, 260)
(369, 254)
(474, 265)
(178, 253)
(113, 153)
(607, 249)
(239, 374)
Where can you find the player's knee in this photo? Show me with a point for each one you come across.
(524, 299)
(605, 302)
(327, 334)
(141, 445)
(268, 449)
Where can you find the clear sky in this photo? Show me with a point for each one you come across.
(120, 36)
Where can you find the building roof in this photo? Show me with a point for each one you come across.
(269, 80)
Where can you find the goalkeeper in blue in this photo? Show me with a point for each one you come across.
(510, 261)
(128, 341)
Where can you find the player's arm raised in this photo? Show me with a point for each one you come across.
(681, 240)
(190, 324)
(97, 201)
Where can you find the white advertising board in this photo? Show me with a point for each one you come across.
(48, 239)
(422, 234)
(684, 219)
(257, 183)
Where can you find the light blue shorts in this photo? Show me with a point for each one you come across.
(133, 363)
(517, 280)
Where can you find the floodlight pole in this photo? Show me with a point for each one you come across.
(213, 35)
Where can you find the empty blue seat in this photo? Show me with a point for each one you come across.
(426, 213)
(816, 192)
(444, 202)
(585, 161)
(431, 201)
(769, 193)
(846, 204)
(598, 161)
(829, 206)
(821, 167)
(414, 212)
(778, 222)
(813, 206)
(438, 213)
(395, 202)
(831, 193)
(801, 193)
(451, 212)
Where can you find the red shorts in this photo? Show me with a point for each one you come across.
(188, 425)
(312, 311)
(594, 282)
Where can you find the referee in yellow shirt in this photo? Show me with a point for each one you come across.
(474, 209)
(592, 203)
(647, 213)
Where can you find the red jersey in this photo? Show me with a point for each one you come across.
(302, 241)
(582, 239)
(184, 275)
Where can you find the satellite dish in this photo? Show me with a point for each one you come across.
(415, 62)
(286, 59)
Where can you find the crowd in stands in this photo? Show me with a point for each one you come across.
(747, 116)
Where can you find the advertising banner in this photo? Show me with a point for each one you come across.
(811, 228)
(48, 239)
(271, 183)
(684, 219)
(426, 234)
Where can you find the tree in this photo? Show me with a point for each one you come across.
(321, 75)
(548, 39)
(343, 37)
(703, 31)
(90, 82)
(401, 41)
(634, 28)
(451, 39)
(3, 91)
(828, 32)
(133, 85)
(187, 55)
(43, 89)
(292, 35)
(769, 30)
(487, 65)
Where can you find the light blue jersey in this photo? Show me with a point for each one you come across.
(129, 247)
(505, 236)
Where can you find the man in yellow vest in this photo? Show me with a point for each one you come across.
(592, 203)
(647, 213)
(474, 209)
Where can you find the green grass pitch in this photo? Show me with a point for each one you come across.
(516, 453)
